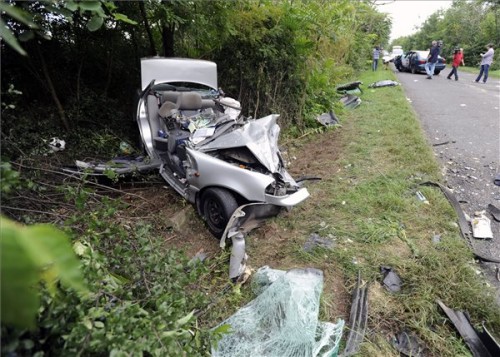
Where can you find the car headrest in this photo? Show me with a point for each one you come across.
(189, 101)
(167, 109)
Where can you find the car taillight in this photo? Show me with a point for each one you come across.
(422, 61)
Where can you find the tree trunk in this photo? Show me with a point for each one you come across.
(167, 32)
(167, 35)
(52, 90)
(152, 47)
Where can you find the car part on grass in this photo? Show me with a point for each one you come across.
(481, 226)
(409, 344)
(392, 281)
(350, 101)
(481, 344)
(358, 318)
(120, 165)
(315, 240)
(385, 83)
(462, 221)
(281, 321)
(494, 211)
(328, 119)
(351, 86)
(421, 197)
(243, 220)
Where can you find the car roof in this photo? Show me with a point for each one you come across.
(170, 70)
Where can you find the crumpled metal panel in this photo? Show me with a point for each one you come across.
(260, 136)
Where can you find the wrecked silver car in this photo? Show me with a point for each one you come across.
(208, 152)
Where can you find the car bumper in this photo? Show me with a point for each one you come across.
(288, 200)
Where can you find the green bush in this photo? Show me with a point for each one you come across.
(141, 301)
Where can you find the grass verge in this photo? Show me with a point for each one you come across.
(366, 203)
(492, 74)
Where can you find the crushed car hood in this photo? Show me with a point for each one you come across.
(170, 70)
(260, 136)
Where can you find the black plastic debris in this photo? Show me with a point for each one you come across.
(315, 240)
(386, 83)
(350, 101)
(494, 211)
(445, 143)
(358, 318)
(481, 344)
(462, 221)
(352, 86)
(328, 119)
(392, 281)
(496, 181)
(409, 344)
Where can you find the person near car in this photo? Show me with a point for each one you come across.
(458, 58)
(375, 57)
(432, 59)
(487, 60)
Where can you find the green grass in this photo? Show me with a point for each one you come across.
(492, 74)
(367, 202)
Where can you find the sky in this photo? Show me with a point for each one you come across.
(406, 14)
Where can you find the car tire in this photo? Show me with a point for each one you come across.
(436, 72)
(217, 207)
(399, 68)
(413, 70)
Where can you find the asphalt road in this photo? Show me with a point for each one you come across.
(461, 120)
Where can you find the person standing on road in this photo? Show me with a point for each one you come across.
(458, 58)
(375, 57)
(432, 59)
(486, 63)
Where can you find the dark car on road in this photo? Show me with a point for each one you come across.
(414, 62)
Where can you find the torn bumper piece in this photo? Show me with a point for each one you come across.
(243, 220)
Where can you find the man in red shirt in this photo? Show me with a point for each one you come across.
(458, 58)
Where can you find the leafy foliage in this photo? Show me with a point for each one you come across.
(28, 255)
(138, 301)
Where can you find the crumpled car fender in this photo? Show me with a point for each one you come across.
(206, 171)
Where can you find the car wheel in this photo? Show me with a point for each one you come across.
(217, 206)
(413, 70)
(437, 72)
(399, 68)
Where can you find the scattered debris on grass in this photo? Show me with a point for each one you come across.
(409, 344)
(315, 240)
(358, 318)
(328, 119)
(281, 321)
(392, 281)
(481, 226)
(385, 83)
(350, 101)
(350, 88)
(481, 344)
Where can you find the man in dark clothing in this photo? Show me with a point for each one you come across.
(432, 59)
